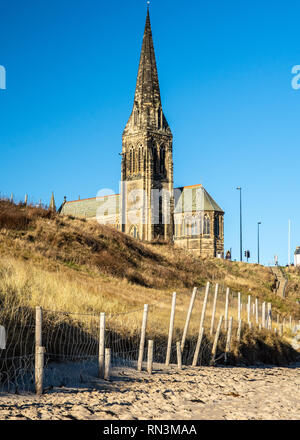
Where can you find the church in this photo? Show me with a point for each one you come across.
(148, 207)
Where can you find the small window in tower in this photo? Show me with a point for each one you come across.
(133, 161)
(162, 161)
(158, 118)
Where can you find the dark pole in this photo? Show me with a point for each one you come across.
(258, 223)
(241, 233)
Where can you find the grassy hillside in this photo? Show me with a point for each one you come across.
(72, 265)
(98, 258)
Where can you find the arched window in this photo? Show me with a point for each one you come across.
(217, 226)
(206, 228)
(195, 226)
(162, 160)
(133, 161)
(131, 164)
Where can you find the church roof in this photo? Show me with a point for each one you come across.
(187, 199)
(194, 198)
(88, 208)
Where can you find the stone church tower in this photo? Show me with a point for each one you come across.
(147, 202)
(148, 207)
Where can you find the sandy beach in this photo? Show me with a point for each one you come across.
(200, 393)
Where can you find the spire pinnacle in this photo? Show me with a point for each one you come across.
(52, 206)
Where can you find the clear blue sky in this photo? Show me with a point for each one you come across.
(225, 77)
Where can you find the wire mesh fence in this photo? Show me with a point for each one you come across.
(72, 340)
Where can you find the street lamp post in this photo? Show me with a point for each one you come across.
(258, 223)
(241, 234)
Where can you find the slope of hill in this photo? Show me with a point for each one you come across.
(77, 266)
(75, 248)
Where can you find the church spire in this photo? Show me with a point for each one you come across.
(147, 85)
(147, 109)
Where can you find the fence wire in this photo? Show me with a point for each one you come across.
(71, 340)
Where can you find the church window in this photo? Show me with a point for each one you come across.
(131, 167)
(217, 226)
(206, 229)
(162, 161)
(133, 162)
(140, 159)
(158, 118)
(160, 210)
(195, 226)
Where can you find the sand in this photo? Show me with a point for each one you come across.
(194, 393)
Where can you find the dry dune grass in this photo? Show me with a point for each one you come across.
(75, 266)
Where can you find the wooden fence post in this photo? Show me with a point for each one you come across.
(179, 360)
(214, 310)
(269, 316)
(249, 308)
(107, 363)
(239, 306)
(228, 341)
(215, 345)
(143, 336)
(188, 317)
(239, 330)
(263, 315)
(38, 327)
(39, 369)
(226, 308)
(256, 311)
(101, 358)
(203, 315)
(171, 328)
(150, 357)
(197, 350)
